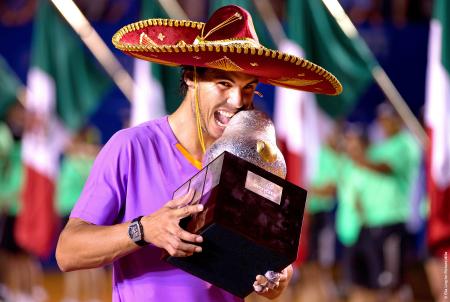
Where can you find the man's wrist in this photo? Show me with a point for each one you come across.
(136, 232)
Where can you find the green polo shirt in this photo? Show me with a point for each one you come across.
(348, 220)
(327, 171)
(73, 174)
(383, 199)
(387, 197)
(11, 178)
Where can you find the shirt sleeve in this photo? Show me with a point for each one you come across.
(104, 193)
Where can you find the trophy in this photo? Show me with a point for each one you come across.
(252, 217)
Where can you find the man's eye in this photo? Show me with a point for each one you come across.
(249, 88)
(225, 84)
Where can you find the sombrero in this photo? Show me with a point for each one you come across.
(227, 41)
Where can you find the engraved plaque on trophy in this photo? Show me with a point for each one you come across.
(252, 218)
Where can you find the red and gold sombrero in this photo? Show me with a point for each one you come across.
(228, 41)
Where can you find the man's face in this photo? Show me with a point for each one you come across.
(389, 124)
(221, 95)
(354, 145)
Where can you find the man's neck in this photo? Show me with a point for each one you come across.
(184, 126)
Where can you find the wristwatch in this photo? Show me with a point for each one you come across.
(136, 232)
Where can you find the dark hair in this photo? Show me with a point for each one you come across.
(359, 130)
(188, 71)
(385, 109)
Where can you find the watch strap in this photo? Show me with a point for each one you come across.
(140, 242)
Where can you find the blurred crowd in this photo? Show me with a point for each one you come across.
(21, 273)
(367, 209)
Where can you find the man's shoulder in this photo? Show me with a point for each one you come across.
(154, 129)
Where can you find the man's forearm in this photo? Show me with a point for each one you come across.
(376, 167)
(82, 245)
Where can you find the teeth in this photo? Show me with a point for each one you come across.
(220, 124)
(226, 114)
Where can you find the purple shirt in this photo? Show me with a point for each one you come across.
(135, 174)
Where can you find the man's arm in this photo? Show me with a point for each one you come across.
(376, 167)
(359, 156)
(327, 191)
(84, 245)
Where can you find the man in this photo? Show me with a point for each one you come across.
(387, 171)
(20, 272)
(137, 171)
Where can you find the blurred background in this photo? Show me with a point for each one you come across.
(375, 159)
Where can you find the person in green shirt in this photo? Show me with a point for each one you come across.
(320, 208)
(20, 273)
(386, 172)
(76, 165)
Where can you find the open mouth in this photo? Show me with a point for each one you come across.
(223, 117)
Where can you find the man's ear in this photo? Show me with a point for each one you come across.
(189, 78)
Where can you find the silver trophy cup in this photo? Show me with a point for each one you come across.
(250, 135)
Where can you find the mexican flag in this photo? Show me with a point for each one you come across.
(151, 98)
(437, 120)
(344, 54)
(64, 88)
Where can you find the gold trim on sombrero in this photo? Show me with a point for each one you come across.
(293, 82)
(225, 64)
(244, 42)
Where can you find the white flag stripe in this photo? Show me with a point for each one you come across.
(437, 111)
(148, 95)
(42, 146)
(296, 118)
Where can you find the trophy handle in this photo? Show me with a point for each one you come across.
(266, 151)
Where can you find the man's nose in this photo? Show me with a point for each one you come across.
(235, 98)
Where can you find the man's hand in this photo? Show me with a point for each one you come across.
(162, 228)
(272, 284)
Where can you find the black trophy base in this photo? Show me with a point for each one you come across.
(250, 224)
(229, 261)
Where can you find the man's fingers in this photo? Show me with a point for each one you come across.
(261, 279)
(188, 237)
(179, 248)
(181, 201)
(260, 288)
(270, 280)
(188, 247)
(188, 210)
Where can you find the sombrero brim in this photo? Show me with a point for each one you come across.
(170, 42)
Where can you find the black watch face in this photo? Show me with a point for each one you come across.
(134, 232)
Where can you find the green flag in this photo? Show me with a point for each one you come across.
(65, 87)
(9, 84)
(324, 43)
(441, 14)
(58, 52)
